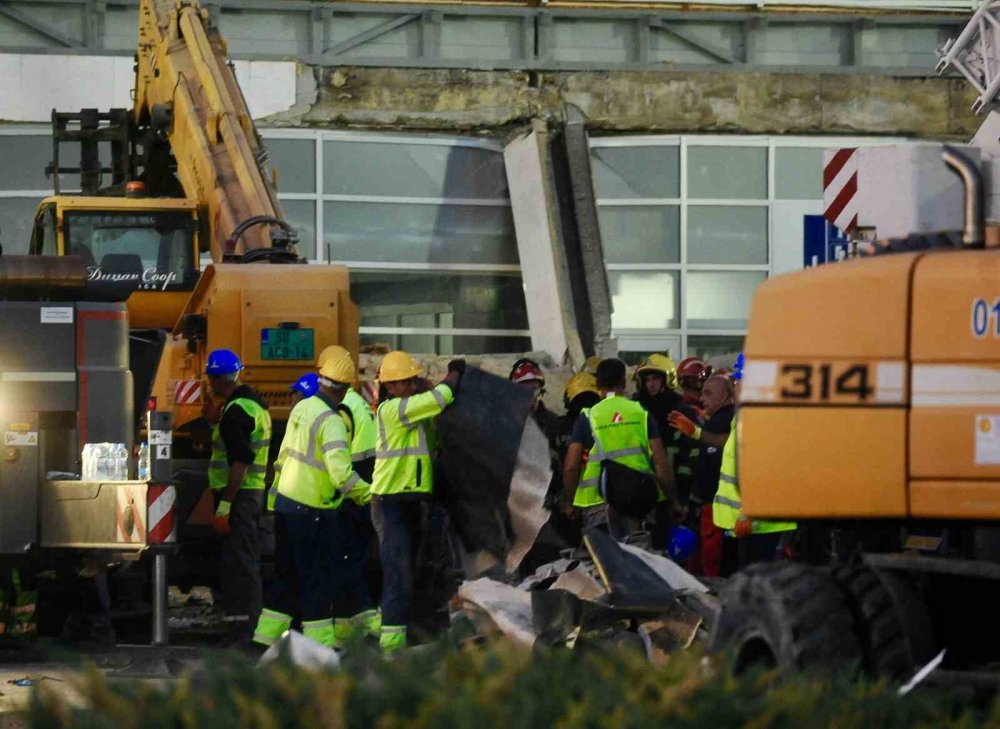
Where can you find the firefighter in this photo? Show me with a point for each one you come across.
(314, 477)
(305, 386)
(404, 477)
(627, 469)
(354, 611)
(691, 375)
(236, 474)
(747, 540)
(656, 377)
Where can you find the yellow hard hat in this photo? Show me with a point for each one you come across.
(579, 383)
(336, 365)
(333, 349)
(590, 365)
(658, 363)
(398, 366)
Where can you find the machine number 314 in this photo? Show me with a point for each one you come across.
(838, 382)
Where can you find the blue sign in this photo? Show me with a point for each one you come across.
(822, 242)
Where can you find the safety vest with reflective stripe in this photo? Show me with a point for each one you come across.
(260, 442)
(314, 464)
(621, 434)
(728, 503)
(406, 439)
(362, 445)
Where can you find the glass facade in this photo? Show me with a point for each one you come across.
(691, 225)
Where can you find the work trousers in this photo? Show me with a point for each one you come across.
(239, 564)
(710, 546)
(313, 546)
(398, 524)
(351, 593)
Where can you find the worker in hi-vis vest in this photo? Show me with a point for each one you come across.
(404, 477)
(313, 476)
(236, 471)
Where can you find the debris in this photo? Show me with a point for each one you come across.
(507, 608)
(628, 578)
(581, 583)
(301, 651)
(922, 674)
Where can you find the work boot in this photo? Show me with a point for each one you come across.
(393, 639)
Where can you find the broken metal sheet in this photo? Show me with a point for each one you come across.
(581, 583)
(495, 465)
(631, 582)
(507, 608)
(547, 572)
(528, 486)
(671, 572)
(675, 630)
(301, 651)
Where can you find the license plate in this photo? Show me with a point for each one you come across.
(287, 344)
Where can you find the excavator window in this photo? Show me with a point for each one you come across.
(43, 235)
(151, 250)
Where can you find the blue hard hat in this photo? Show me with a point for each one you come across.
(681, 543)
(223, 362)
(307, 384)
(738, 367)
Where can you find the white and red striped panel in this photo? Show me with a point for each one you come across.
(162, 500)
(187, 392)
(840, 188)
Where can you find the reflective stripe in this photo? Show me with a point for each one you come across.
(351, 482)
(218, 464)
(254, 468)
(333, 445)
(590, 483)
(402, 412)
(363, 455)
(623, 452)
(314, 430)
(302, 458)
(400, 452)
(724, 501)
(255, 444)
(439, 399)
(728, 479)
(383, 441)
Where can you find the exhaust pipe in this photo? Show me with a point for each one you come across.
(973, 234)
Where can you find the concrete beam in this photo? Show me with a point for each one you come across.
(665, 101)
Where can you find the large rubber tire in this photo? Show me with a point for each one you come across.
(884, 648)
(787, 616)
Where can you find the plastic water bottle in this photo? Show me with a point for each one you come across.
(87, 465)
(143, 465)
(120, 460)
(102, 462)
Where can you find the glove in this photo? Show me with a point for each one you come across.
(457, 365)
(743, 527)
(684, 424)
(221, 521)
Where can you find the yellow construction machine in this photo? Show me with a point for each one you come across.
(188, 177)
(870, 415)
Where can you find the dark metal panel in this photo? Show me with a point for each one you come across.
(19, 477)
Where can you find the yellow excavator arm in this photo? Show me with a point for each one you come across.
(186, 90)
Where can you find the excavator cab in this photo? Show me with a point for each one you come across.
(144, 248)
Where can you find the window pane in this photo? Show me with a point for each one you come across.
(295, 162)
(636, 172)
(720, 299)
(17, 216)
(644, 300)
(798, 173)
(419, 233)
(25, 157)
(412, 170)
(705, 347)
(641, 234)
(302, 215)
(718, 234)
(727, 173)
(458, 301)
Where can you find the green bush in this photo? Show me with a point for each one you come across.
(500, 685)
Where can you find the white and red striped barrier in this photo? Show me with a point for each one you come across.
(840, 188)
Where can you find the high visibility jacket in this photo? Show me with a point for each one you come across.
(728, 504)
(260, 442)
(621, 434)
(314, 463)
(406, 440)
(361, 435)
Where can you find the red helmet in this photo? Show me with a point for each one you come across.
(526, 370)
(692, 372)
